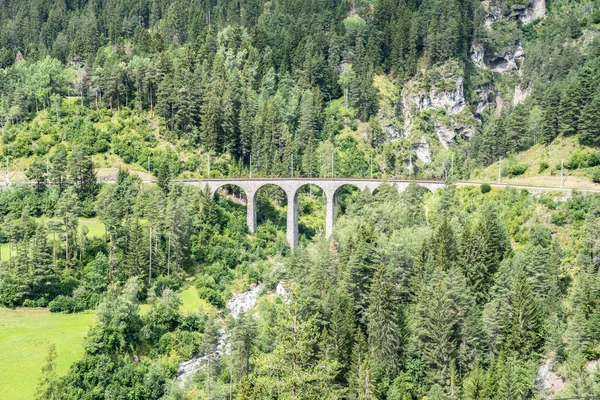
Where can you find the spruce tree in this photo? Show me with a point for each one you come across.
(382, 328)
(524, 323)
(49, 387)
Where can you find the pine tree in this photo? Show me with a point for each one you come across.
(361, 259)
(569, 109)
(342, 328)
(474, 385)
(471, 262)
(294, 369)
(524, 321)
(37, 173)
(360, 380)
(67, 209)
(382, 327)
(550, 115)
(58, 170)
(445, 248)
(49, 387)
(40, 262)
(590, 128)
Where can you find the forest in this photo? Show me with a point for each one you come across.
(254, 85)
(461, 294)
(465, 293)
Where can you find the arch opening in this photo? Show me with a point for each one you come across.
(345, 196)
(311, 200)
(232, 193)
(271, 206)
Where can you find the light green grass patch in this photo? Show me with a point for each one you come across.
(96, 228)
(190, 302)
(25, 337)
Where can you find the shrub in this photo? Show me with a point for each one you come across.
(595, 174)
(166, 281)
(559, 218)
(485, 188)
(517, 169)
(543, 166)
(212, 296)
(63, 304)
(29, 303)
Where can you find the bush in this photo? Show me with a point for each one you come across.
(543, 166)
(166, 281)
(517, 169)
(559, 218)
(212, 296)
(63, 304)
(485, 188)
(595, 174)
(29, 303)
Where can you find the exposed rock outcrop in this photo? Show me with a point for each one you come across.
(525, 13)
(520, 94)
(486, 97)
(240, 303)
(452, 101)
(498, 61)
(447, 134)
(422, 150)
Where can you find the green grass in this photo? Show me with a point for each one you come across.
(190, 302)
(25, 336)
(96, 228)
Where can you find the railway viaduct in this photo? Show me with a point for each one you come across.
(291, 187)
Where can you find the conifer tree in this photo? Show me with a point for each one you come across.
(49, 387)
(383, 328)
(524, 321)
(361, 385)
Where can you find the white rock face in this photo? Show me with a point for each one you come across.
(486, 96)
(478, 55)
(526, 14)
(547, 381)
(445, 135)
(521, 94)
(507, 60)
(453, 101)
(534, 10)
(422, 150)
(243, 302)
(238, 304)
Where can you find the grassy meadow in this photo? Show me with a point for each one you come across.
(25, 337)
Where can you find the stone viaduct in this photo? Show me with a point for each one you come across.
(291, 187)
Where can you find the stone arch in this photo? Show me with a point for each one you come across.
(302, 185)
(230, 185)
(264, 185)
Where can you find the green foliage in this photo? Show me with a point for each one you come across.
(485, 188)
(63, 304)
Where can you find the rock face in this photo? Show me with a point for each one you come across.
(238, 304)
(498, 61)
(442, 105)
(525, 13)
(447, 134)
(453, 101)
(486, 97)
(520, 94)
(243, 302)
(422, 150)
